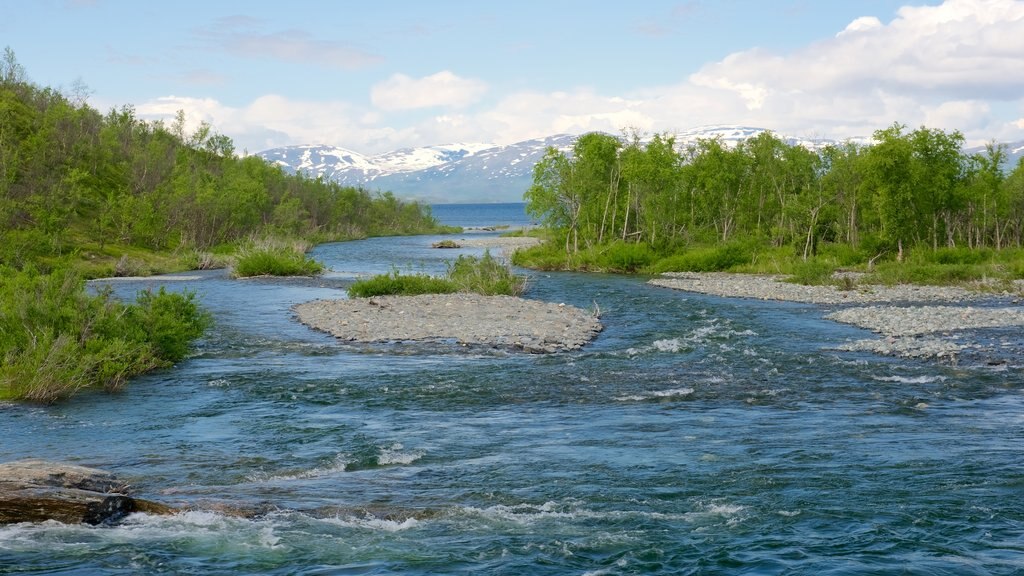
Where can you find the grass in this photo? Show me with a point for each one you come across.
(398, 284)
(275, 258)
(485, 275)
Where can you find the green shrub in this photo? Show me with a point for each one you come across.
(546, 256)
(815, 271)
(621, 256)
(398, 284)
(961, 255)
(56, 338)
(706, 259)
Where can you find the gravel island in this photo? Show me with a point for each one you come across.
(466, 319)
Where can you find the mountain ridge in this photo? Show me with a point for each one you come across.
(481, 172)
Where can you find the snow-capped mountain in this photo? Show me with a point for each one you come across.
(448, 173)
(465, 172)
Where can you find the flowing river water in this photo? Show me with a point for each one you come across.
(696, 435)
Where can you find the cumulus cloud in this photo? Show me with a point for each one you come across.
(444, 89)
(950, 66)
(938, 57)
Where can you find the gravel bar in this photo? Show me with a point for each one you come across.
(913, 321)
(467, 319)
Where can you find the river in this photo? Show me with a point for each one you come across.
(696, 435)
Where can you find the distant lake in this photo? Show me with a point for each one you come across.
(511, 214)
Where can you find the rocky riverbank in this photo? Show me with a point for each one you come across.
(465, 319)
(912, 321)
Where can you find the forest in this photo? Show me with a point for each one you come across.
(86, 194)
(767, 205)
(76, 182)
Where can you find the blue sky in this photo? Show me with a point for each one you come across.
(376, 76)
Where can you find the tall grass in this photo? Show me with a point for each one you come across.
(398, 284)
(275, 258)
(485, 275)
(56, 339)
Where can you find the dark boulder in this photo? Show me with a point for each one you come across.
(37, 490)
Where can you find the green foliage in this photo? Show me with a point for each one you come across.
(395, 283)
(627, 257)
(485, 275)
(56, 339)
(706, 259)
(815, 272)
(72, 177)
(275, 259)
(910, 192)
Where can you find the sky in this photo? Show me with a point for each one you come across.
(378, 76)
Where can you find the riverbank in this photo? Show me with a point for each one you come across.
(912, 321)
(465, 319)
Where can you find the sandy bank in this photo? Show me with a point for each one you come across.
(466, 319)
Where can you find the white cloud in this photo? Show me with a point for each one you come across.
(444, 89)
(950, 66)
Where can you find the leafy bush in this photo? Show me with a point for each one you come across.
(56, 339)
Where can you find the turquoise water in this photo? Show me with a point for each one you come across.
(696, 435)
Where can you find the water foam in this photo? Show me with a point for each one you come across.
(373, 523)
(395, 455)
(924, 379)
(658, 394)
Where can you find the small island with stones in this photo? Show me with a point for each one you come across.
(467, 319)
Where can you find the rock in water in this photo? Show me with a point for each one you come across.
(35, 490)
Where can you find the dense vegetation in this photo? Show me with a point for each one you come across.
(55, 338)
(485, 275)
(86, 194)
(910, 201)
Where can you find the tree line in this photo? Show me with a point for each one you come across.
(71, 176)
(910, 189)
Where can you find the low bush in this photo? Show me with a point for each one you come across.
(814, 271)
(56, 338)
(706, 259)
